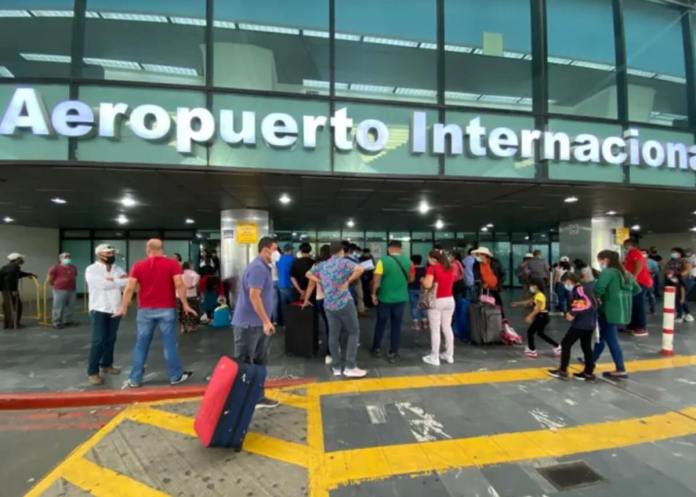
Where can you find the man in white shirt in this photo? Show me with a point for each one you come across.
(105, 282)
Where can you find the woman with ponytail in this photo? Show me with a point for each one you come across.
(441, 275)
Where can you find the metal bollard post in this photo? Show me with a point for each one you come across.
(668, 321)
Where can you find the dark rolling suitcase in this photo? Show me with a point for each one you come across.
(486, 324)
(228, 403)
(300, 330)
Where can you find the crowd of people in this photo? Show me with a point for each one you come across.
(342, 283)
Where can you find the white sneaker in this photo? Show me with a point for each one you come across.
(328, 360)
(557, 351)
(354, 373)
(689, 318)
(432, 360)
(447, 358)
(336, 372)
(679, 320)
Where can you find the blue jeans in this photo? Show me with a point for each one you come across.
(395, 314)
(104, 329)
(285, 295)
(146, 322)
(277, 315)
(609, 335)
(563, 297)
(417, 314)
(251, 346)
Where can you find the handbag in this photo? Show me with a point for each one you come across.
(487, 298)
(427, 297)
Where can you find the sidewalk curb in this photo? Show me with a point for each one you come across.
(51, 400)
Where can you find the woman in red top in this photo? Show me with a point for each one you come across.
(441, 274)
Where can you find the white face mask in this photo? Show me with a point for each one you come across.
(602, 265)
(275, 257)
(478, 258)
(568, 287)
(533, 289)
(676, 255)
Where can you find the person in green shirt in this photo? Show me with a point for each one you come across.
(390, 294)
(615, 289)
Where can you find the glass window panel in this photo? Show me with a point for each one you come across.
(555, 251)
(663, 176)
(488, 53)
(357, 237)
(81, 255)
(421, 248)
(136, 251)
(396, 156)
(76, 234)
(131, 148)
(181, 247)
(172, 52)
(329, 236)
(585, 171)
(281, 46)
(35, 38)
(425, 236)
(582, 58)
(383, 45)
(492, 167)
(655, 57)
(518, 253)
(264, 156)
(501, 251)
(374, 236)
(23, 144)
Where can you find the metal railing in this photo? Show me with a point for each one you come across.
(31, 308)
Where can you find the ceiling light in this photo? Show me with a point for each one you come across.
(460, 95)
(225, 24)
(128, 16)
(268, 29)
(128, 201)
(390, 41)
(509, 54)
(8, 219)
(592, 65)
(58, 200)
(188, 21)
(635, 227)
(484, 229)
(611, 213)
(52, 13)
(5, 72)
(347, 37)
(121, 219)
(693, 229)
(285, 199)
(500, 99)
(112, 63)
(189, 220)
(559, 60)
(458, 48)
(416, 92)
(439, 224)
(179, 71)
(315, 33)
(42, 57)
(423, 207)
(427, 45)
(350, 223)
(571, 200)
(371, 88)
(489, 225)
(90, 14)
(14, 13)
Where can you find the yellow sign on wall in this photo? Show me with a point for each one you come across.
(247, 232)
(622, 234)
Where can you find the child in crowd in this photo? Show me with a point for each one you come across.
(537, 319)
(583, 315)
(221, 315)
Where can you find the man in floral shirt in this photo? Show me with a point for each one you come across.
(335, 276)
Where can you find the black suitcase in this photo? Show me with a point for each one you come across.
(486, 324)
(300, 330)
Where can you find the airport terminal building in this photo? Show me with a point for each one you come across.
(514, 124)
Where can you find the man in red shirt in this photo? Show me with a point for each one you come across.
(159, 278)
(63, 277)
(636, 264)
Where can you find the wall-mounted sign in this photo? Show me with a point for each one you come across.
(622, 234)
(26, 112)
(247, 232)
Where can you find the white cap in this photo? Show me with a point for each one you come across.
(63, 255)
(104, 247)
(482, 250)
(565, 258)
(529, 255)
(14, 256)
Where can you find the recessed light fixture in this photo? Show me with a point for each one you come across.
(571, 200)
(693, 229)
(189, 220)
(350, 223)
(490, 225)
(635, 227)
(285, 199)
(484, 229)
(423, 207)
(121, 219)
(611, 213)
(58, 200)
(439, 224)
(8, 219)
(128, 201)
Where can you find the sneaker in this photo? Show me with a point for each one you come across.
(392, 357)
(377, 353)
(531, 353)
(354, 373)
(111, 370)
(95, 379)
(184, 376)
(679, 320)
(557, 351)
(640, 333)
(336, 372)
(129, 384)
(447, 358)
(615, 375)
(266, 403)
(689, 318)
(584, 376)
(557, 373)
(432, 360)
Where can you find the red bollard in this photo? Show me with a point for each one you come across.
(668, 321)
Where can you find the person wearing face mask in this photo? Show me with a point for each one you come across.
(10, 274)
(537, 319)
(615, 289)
(105, 282)
(277, 313)
(63, 278)
(677, 273)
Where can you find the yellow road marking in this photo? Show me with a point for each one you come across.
(480, 377)
(315, 439)
(288, 399)
(356, 465)
(255, 443)
(104, 482)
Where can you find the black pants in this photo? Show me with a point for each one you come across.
(537, 328)
(572, 336)
(12, 309)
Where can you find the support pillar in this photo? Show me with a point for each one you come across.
(585, 238)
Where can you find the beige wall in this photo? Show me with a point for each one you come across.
(39, 245)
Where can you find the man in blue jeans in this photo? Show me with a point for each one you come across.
(160, 280)
(285, 289)
(390, 294)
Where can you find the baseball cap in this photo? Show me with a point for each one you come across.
(14, 256)
(104, 247)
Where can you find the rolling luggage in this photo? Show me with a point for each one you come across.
(228, 403)
(486, 324)
(300, 330)
(461, 319)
